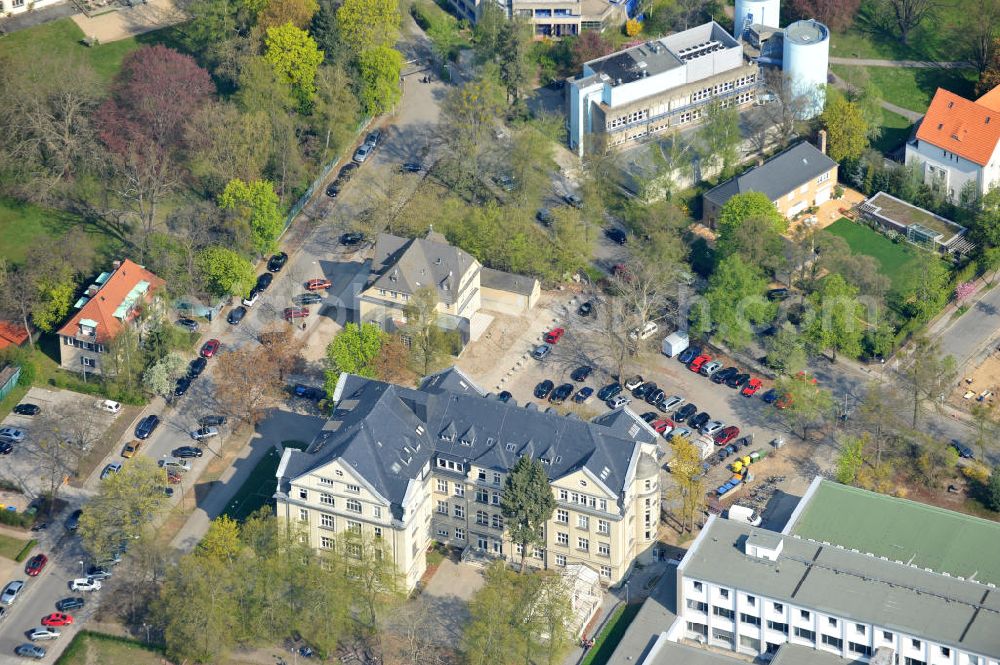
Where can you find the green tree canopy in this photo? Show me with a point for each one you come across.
(734, 300)
(527, 503)
(256, 205)
(380, 68)
(295, 58)
(225, 272)
(368, 24)
(742, 207)
(354, 350)
(847, 131)
(803, 402)
(55, 296)
(756, 240)
(838, 322)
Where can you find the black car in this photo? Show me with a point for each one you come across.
(98, 573)
(308, 392)
(609, 391)
(182, 386)
(581, 373)
(724, 374)
(351, 239)
(505, 396)
(307, 299)
(168, 491)
(73, 521)
(650, 416)
(188, 324)
(264, 281)
(544, 216)
(696, 422)
(654, 397)
(777, 294)
(616, 235)
(6, 447)
(27, 409)
(644, 389)
(963, 450)
(771, 396)
(196, 367)
(347, 171)
(685, 412)
(543, 389)
(277, 262)
(236, 315)
(412, 167)
(689, 354)
(585, 309)
(737, 381)
(187, 451)
(146, 426)
(67, 604)
(212, 421)
(335, 188)
(560, 394)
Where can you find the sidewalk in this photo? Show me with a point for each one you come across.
(910, 64)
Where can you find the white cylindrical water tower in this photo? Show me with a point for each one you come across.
(805, 61)
(750, 12)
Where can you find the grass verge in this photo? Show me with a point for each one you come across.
(895, 131)
(26, 550)
(606, 643)
(257, 490)
(912, 88)
(892, 257)
(91, 647)
(11, 547)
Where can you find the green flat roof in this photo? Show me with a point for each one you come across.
(927, 536)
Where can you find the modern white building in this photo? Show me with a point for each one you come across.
(957, 145)
(805, 60)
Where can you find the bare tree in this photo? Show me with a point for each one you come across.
(785, 106)
(247, 381)
(144, 176)
(56, 446)
(927, 375)
(908, 14)
(18, 295)
(978, 31)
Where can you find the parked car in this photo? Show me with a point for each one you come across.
(43, 633)
(710, 368)
(662, 426)
(505, 182)
(11, 592)
(671, 402)
(544, 216)
(583, 395)
(264, 281)
(318, 284)
(110, 470)
(374, 138)
(27, 409)
(654, 397)
(963, 450)
(173, 477)
(680, 431)
(411, 167)
(188, 324)
(277, 262)
(573, 200)
(505, 396)
(581, 373)
(6, 447)
(649, 416)
(146, 426)
(585, 309)
(738, 380)
(307, 299)
(57, 619)
(175, 463)
(291, 313)
(688, 354)
(347, 171)
(350, 239)
(771, 396)
(252, 297)
(182, 386)
(554, 335)
(751, 388)
(72, 522)
(30, 651)
(777, 294)
(712, 426)
(212, 421)
(12, 434)
(726, 434)
(609, 391)
(560, 394)
(185, 452)
(541, 351)
(236, 315)
(616, 236)
(334, 189)
(196, 367)
(633, 382)
(36, 564)
(685, 412)
(308, 392)
(109, 405)
(204, 433)
(640, 391)
(209, 348)
(362, 153)
(618, 401)
(543, 389)
(698, 362)
(72, 603)
(696, 422)
(98, 573)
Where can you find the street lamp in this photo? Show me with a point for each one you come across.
(81, 567)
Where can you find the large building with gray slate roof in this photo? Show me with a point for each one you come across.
(415, 465)
(796, 179)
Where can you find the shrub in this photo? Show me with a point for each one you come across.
(13, 518)
(976, 471)
(26, 550)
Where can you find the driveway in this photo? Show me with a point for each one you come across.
(445, 601)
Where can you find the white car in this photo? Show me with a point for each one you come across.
(12, 434)
(44, 633)
(109, 405)
(712, 426)
(85, 584)
(671, 402)
(633, 383)
(618, 401)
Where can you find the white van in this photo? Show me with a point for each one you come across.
(743, 514)
(175, 463)
(648, 330)
(110, 406)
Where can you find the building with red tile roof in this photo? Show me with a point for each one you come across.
(106, 307)
(956, 145)
(12, 333)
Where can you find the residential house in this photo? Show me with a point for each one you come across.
(12, 333)
(413, 466)
(956, 145)
(112, 302)
(796, 179)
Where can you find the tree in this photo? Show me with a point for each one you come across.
(126, 503)
(256, 205)
(688, 478)
(279, 12)
(225, 272)
(993, 491)
(368, 24)
(336, 112)
(986, 426)
(295, 58)
(836, 14)
(928, 375)
(527, 504)
(54, 298)
(908, 14)
(805, 403)
(354, 350)
(228, 145)
(990, 78)
(788, 106)
(846, 128)
(56, 447)
(734, 300)
(786, 350)
(742, 207)
(512, 60)
(248, 379)
(720, 138)
(429, 343)
(375, 578)
(589, 45)
(392, 364)
(380, 69)
(472, 110)
(851, 459)
(837, 322)
(755, 240)
(159, 378)
(199, 610)
(922, 289)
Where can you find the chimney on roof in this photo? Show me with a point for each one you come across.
(821, 140)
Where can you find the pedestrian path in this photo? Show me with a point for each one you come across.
(910, 64)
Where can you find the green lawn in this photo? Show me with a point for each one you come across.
(23, 225)
(895, 131)
(10, 547)
(89, 647)
(606, 643)
(912, 88)
(258, 488)
(891, 256)
(928, 41)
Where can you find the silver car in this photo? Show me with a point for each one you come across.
(618, 401)
(541, 351)
(708, 369)
(11, 592)
(204, 433)
(362, 153)
(44, 633)
(12, 434)
(712, 426)
(671, 402)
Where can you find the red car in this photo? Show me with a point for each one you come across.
(661, 426)
(554, 335)
(726, 434)
(296, 313)
(318, 284)
(36, 564)
(751, 388)
(57, 619)
(696, 364)
(209, 348)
